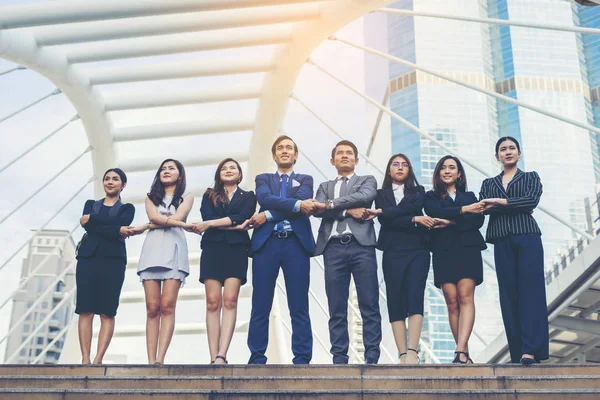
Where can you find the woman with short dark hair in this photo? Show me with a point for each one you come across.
(510, 199)
(101, 261)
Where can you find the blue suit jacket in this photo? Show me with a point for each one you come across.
(268, 195)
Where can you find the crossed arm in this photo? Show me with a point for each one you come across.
(107, 229)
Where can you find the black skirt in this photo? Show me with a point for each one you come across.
(99, 283)
(221, 261)
(450, 266)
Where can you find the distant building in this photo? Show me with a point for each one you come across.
(58, 247)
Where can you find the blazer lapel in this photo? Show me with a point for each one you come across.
(352, 182)
(275, 189)
(498, 182)
(330, 189)
(389, 195)
(237, 196)
(518, 176)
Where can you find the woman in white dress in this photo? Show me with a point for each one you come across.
(164, 260)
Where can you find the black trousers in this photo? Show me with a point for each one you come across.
(522, 287)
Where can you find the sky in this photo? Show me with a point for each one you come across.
(345, 111)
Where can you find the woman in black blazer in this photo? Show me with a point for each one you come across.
(101, 260)
(510, 199)
(403, 240)
(226, 210)
(456, 244)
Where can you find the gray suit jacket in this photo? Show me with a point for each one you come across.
(361, 193)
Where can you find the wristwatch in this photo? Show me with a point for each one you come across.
(329, 204)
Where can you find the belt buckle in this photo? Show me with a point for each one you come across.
(342, 241)
(282, 235)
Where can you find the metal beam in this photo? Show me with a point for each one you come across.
(69, 11)
(583, 325)
(577, 352)
(194, 160)
(20, 110)
(494, 94)
(184, 43)
(59, 173)
(147, 100)
(178, 70)
(433, 140)
(171, 24)
(38, 143)
(493, 21)
(8, 71)
(178, 129)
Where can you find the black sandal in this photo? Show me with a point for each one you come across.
(221, 358)
(416, 351)
(457, 359)
(400, 357)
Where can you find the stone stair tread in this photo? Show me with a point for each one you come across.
(296, 377)
(307, 391)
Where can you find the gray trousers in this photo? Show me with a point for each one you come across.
(342, 261)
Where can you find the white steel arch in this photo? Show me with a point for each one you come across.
(32, 37)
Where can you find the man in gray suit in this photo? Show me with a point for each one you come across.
(347, 242)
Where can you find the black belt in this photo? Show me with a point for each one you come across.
(284, 234)
(343, 239)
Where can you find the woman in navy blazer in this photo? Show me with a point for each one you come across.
(101, 260)
(456, 244)
(226, 210)
(510, 199)
(403, 239)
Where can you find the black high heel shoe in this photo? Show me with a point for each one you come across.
(529, 361)
(457, 359)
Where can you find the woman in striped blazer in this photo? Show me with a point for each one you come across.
(510, 199)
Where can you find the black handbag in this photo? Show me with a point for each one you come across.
(81, 242)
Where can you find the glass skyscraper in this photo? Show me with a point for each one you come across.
(557, 71)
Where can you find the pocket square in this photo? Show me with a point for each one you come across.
(295, 183)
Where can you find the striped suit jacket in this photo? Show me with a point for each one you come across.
(523, 194)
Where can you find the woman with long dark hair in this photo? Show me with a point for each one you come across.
(510, 199)
(403, 240)
(456, 244)
(226, 210)
(101, 260)
(164, 261)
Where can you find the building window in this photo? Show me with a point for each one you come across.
(40, 340)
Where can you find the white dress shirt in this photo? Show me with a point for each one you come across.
(398, 192)
(336, 194)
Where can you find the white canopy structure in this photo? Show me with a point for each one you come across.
(86, 47)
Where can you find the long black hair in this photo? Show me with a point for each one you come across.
(440, 187)
(217, 192)
(157, 190)
(411, 185)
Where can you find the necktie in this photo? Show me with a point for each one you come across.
(341, 226)
(284, 180)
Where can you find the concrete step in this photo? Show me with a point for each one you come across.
(300, 382)
(444, 370)
(103, 394)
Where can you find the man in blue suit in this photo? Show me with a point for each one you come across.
(283, 239)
